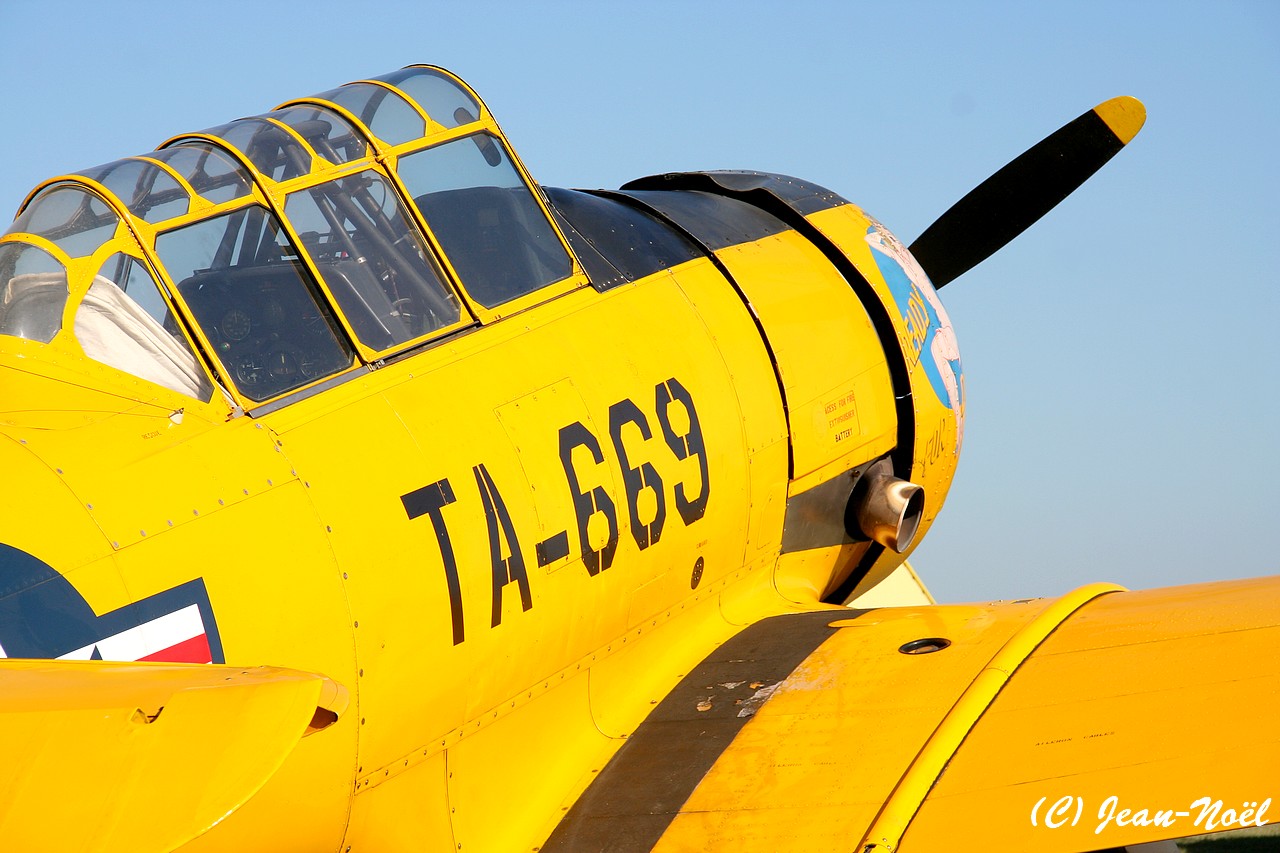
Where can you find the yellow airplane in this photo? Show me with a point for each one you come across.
(363, 495)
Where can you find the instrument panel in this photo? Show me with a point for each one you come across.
(267, 327)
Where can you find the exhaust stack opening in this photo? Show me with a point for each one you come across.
(888, 510)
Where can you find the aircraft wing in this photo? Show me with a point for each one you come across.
(1007, 726)
(140, 756)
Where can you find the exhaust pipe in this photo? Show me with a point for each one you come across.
(888, 510)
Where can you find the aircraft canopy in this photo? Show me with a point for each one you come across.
(279, 252)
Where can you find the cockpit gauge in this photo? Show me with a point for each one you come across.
(235, 325)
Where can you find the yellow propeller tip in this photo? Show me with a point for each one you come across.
(1124, 115)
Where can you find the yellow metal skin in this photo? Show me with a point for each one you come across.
(504, 537)
(1127, 697)
(859, 711)
(923, 772)
(1159, 694)
(109, 741)
(833, 426)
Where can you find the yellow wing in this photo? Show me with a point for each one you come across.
(143, 757)
(1008, 726)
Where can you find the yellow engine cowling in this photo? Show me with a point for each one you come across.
(865, 357)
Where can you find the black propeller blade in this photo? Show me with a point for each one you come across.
(1008, 202)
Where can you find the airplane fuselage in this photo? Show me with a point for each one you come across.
(506, 539)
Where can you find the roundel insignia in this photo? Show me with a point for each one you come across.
(43, 616)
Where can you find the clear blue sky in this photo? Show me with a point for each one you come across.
(1119, 357)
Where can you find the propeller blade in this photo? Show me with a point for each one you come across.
(1008, 202)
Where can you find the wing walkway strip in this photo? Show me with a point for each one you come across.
(641, 790)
